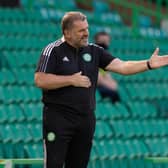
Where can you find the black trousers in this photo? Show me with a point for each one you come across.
(67, 138)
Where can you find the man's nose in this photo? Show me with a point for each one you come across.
(86, 32)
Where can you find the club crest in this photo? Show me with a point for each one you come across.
(87, 57)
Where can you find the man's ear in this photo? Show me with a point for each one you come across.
(66, 33)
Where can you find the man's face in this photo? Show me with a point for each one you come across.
(78, 35)
(103, 39)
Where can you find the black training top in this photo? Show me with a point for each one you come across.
(60, 58)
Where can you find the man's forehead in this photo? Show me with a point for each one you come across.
(81, 23)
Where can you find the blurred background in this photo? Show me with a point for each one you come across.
(127, 131)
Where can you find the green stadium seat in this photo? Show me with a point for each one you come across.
(101, 150)
(136, 149)
(6, 133)
(33, 150)
(19, 150)
(15, 133)
(8, 150)
(94, 159)
(3, 116)
(22, 133)
(105, 110)
(103, 130)
(157, 146)
(10, 14)
(94, 155)
(12, 94)
(122, 110)
(24, 76)
(123, 93)
(1, 151)
(142, 109)
(14, 113)
(35, 131)
(32, 111)
(137, 162)
(70, 5)
(118, 152)
(7, 77)
(119, 128)
(36, 94)
(28, 94)
(101, 7)
(98, 96)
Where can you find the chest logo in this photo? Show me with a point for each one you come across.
(51, 136)
(87, 57)
(65, 59)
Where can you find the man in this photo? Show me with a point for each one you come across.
(67, 73)
(106, 85)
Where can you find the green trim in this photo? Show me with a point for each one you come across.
(28, 161)
(157, 159)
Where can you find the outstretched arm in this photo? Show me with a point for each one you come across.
(133, 67)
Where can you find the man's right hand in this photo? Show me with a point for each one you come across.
(79, 80)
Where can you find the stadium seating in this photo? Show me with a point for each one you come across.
(126, 132)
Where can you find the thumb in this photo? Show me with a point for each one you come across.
(80, 72)
(156, 52)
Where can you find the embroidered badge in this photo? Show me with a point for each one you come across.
(87, 57)
(51, 136)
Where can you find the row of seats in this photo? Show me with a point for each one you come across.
(17, 76)
(147, 91)
(50, 4)
(22, 59)
(136, 148)
(16, 133)
(131, 129)
(97, 161)
(17, 130)
(105, 111)
(124, 163)
(19, 113)
(133, 110)
(28, 29)
(21, 150)
(19, 15)
(19, 94)
(153, 33)
(133, 44)
(140, 128)
(109, 150)
(102, 152)
(142, 109)
(13, 43)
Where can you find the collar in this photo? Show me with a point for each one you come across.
(73, 48)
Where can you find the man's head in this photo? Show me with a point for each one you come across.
(75, 29)
(102, 39)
